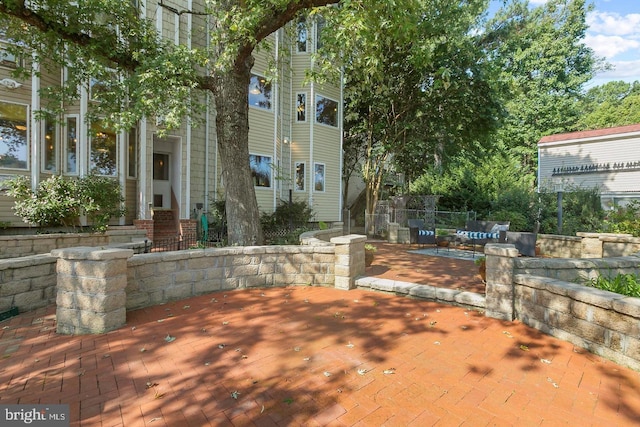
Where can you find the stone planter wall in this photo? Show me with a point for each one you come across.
(16, 246)
(27, 283)
(544, 294)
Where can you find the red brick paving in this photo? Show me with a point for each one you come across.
(315, 357)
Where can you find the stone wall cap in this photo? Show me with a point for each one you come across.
(350, 238)
(92, 253)
(501, 249)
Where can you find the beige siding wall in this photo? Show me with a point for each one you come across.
(621, 154)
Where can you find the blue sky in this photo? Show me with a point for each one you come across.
(614, 33)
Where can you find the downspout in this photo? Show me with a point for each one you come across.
(187, 196)
(35, 125)
(143, 210)
(341, 120)
(207, 141)
(275, 119)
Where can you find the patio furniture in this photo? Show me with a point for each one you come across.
(481, 232)
(417, 233)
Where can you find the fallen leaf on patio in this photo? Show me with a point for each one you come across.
(203, 330)
(508, 334)
(169, 338)
(288, 401)
(438, 311)
(155, 419)
(81, 372)
(306, 359)
(262, 410)
(463, 327)
(160, 320)
(221, 345)
(225, 323)
(553, 383)
(207, 363)
(142, 350)
(244, 356)
(350, 345)
(356, 300)
(547, 361)
(436, 342)
(296, 348)
(362, 371)
(306, 300)
(524, 347)
(327, 373)
(133, 328)
(432, 323)
(150, 385)
(186, 307)
(213, 300)
(235, 394)
(389, 371)
(158, 395)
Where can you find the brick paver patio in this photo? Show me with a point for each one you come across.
(314, 357)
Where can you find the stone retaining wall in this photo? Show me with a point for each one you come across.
(543, 294)
(16, 246)
(160, 277)
(27, 283)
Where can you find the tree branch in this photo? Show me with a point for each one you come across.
(44, 24)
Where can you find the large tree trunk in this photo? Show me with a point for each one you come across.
(232, 129)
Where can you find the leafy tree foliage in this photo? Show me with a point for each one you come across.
(546, 63)
(417, 86)
(612, 104)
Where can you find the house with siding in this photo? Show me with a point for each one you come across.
(295, 137)
(607, 159)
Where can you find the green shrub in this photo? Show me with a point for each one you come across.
(624, 219)
(59, 201)
(623, 284)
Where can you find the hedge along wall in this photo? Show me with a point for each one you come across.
(543, 294)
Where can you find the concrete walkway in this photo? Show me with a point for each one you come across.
(312, 357)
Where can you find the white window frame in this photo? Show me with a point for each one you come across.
(315, 111)
(254, 88)
(27, 133)
(319, 24)
(297, 107)
(45, 143)
(133, 143)
(266, 187)
(65, 146)
(92, 166)
(304, 177)
(324, 177)
(298, 23)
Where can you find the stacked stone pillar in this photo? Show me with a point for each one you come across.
(91, 296)
(500, 292)
(349, 261)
